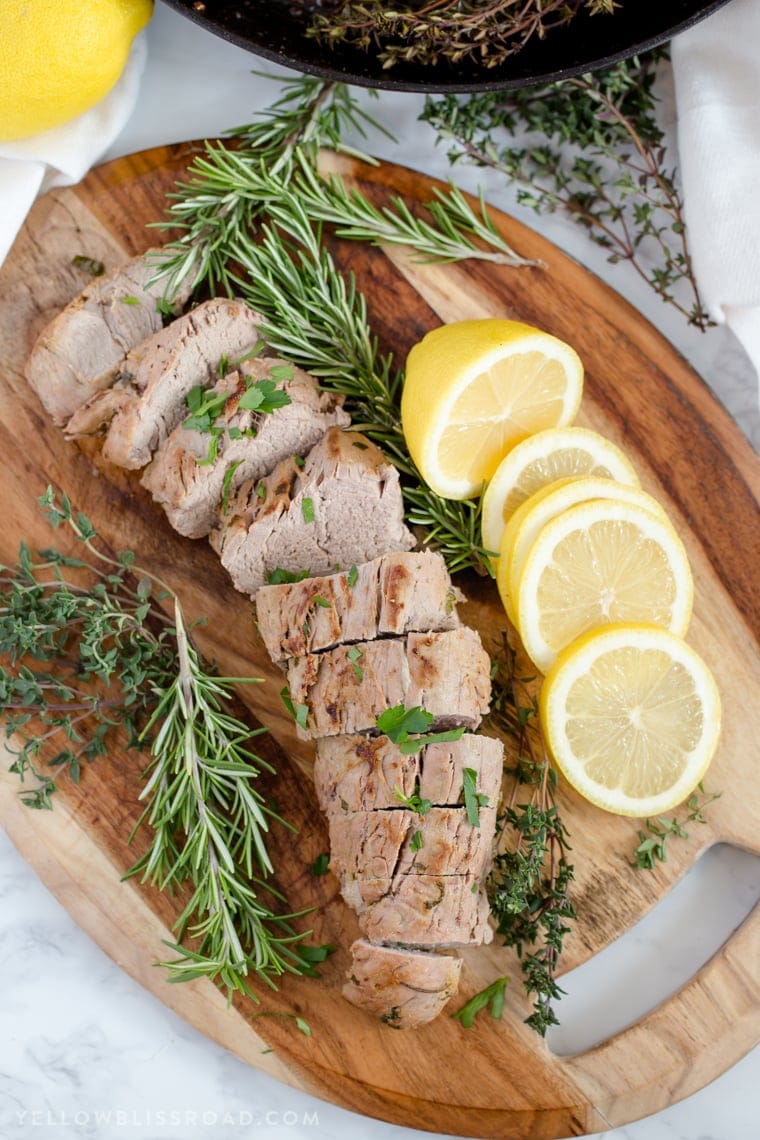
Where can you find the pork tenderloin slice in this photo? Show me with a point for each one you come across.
(82, 349)
(362, 773)
(392, 595)
(191, 490)
(187, 354)
(344, 507)
(345, 689)
(421, 910)
(403, 988)
(390, 843)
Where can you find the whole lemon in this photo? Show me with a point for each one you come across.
(60, 57)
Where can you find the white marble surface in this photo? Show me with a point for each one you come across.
(83, 1050)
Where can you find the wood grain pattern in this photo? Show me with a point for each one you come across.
(500, 1079)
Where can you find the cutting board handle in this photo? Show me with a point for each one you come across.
(679, 1046)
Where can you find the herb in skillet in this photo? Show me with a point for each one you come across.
(529, 885)
(590, 147)
(88, 649)
(485, 32)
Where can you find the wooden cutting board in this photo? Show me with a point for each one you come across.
(496, 1079)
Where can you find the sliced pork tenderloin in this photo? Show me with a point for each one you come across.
(188, 353)
(403, 988)
(344, 690)
(393, 842)
(249, 444)
(83, 349)
(423, 911)
(366, 773)
(343, 506)
(396, 594)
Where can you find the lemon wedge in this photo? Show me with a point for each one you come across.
(558, 453)
(526, 522)
(474, 389)
(599, 562)
(631, 715)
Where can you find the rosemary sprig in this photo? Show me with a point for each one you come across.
(653, 838)
(589, 146)
(446, 238)
(111, 656)
(529, 885)
(315, 317)
(485, 31)
(219, 201)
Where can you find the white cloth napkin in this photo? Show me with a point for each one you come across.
(717, 85)
(64, 154)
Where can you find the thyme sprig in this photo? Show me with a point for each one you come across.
(656, 833)
(89, 648)
(591, 147)
(485, 31)
(529, 886)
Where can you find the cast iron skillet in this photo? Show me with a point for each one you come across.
(274, 29)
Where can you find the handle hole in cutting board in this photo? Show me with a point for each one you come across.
(660, 954)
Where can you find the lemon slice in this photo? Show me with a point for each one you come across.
(552, 454)
(526, 522)
(631, 715)
(599, 562)
(474, 389)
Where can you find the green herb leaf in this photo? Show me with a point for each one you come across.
(229, 474)
(321, 864)
(491, 998)
(281, 577)
(307, 510)
(263, 396)
(88, 265)
(414, 802)
(473, 800)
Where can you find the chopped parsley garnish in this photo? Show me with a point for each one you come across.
(473, 799)
(166, 309)
(320, 600)
(131, 300)
(205, 406)
(227, 484)
(413, 802)
(416, 842)
(281, 373)
(354, 655)
(408, 728)
(298, 711)
(262, 396)
(353, 576)
(321, 864)
(307, 510)
(281, 577)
